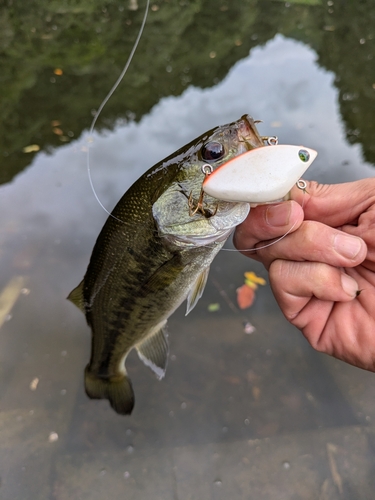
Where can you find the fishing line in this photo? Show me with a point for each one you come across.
(104, 102)
(301, 184)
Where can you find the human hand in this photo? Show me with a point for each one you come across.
(317, 270)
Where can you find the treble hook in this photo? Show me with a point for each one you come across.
(198, 207)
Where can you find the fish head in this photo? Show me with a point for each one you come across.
(174, 210)
(226, 142)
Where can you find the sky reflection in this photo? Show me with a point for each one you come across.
(280, 83)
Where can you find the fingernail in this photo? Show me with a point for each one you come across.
(278, 215)
(349, 285)
(347, 246)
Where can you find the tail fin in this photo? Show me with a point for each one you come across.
(119, 393)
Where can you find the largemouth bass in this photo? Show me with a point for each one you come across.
(154, 252)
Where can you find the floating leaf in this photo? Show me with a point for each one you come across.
(256, 392)
(133, 5)
(31, 149)
(251, 276)
(9, 296)
(245, 296)
(246, 293)
(58, 71)
(251, 284)
(34, 384)
(248, 328)
(53, 436)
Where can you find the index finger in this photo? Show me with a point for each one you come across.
(335, 204)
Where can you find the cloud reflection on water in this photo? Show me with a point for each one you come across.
(279, 83)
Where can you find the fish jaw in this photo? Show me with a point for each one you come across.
(248, 133)
(184, 241)
(178, 228)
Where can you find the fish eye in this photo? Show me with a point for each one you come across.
(304, 155)
(212, 151)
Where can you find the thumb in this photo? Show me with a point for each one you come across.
(335, 204)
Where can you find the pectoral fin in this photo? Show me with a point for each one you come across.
(164, 276)
(197, 290)
(153, 351)
(76, 297)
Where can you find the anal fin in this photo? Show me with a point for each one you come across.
(153, 351)
(76, 297)
(196, 290)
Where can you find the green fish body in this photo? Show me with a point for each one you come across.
(151, 255)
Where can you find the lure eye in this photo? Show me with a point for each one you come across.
(212, 151)
(304, 155)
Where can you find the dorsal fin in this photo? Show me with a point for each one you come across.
(196, 290)
(76, 296)
(153, 351)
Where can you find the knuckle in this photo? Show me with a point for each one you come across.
(279, 271)
(315, 186)
(309, 231)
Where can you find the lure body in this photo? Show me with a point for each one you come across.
(262, 175)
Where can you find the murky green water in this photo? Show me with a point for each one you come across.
(239, 416)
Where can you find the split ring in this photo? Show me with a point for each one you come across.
(301, 184)
(207, 169)
(272, 141)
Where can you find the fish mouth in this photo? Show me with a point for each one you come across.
(248, 133)
(202, 241)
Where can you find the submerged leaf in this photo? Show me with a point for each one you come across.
(245, 296)
(246, 293)
(9, 296)
(251, 276)
(248, 328)
(31, 149)
(251, 284)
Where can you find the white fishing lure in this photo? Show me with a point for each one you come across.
(262, 175)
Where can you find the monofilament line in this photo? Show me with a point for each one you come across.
(301, 184)
(104, 102)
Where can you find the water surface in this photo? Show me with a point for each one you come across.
(240, 416)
